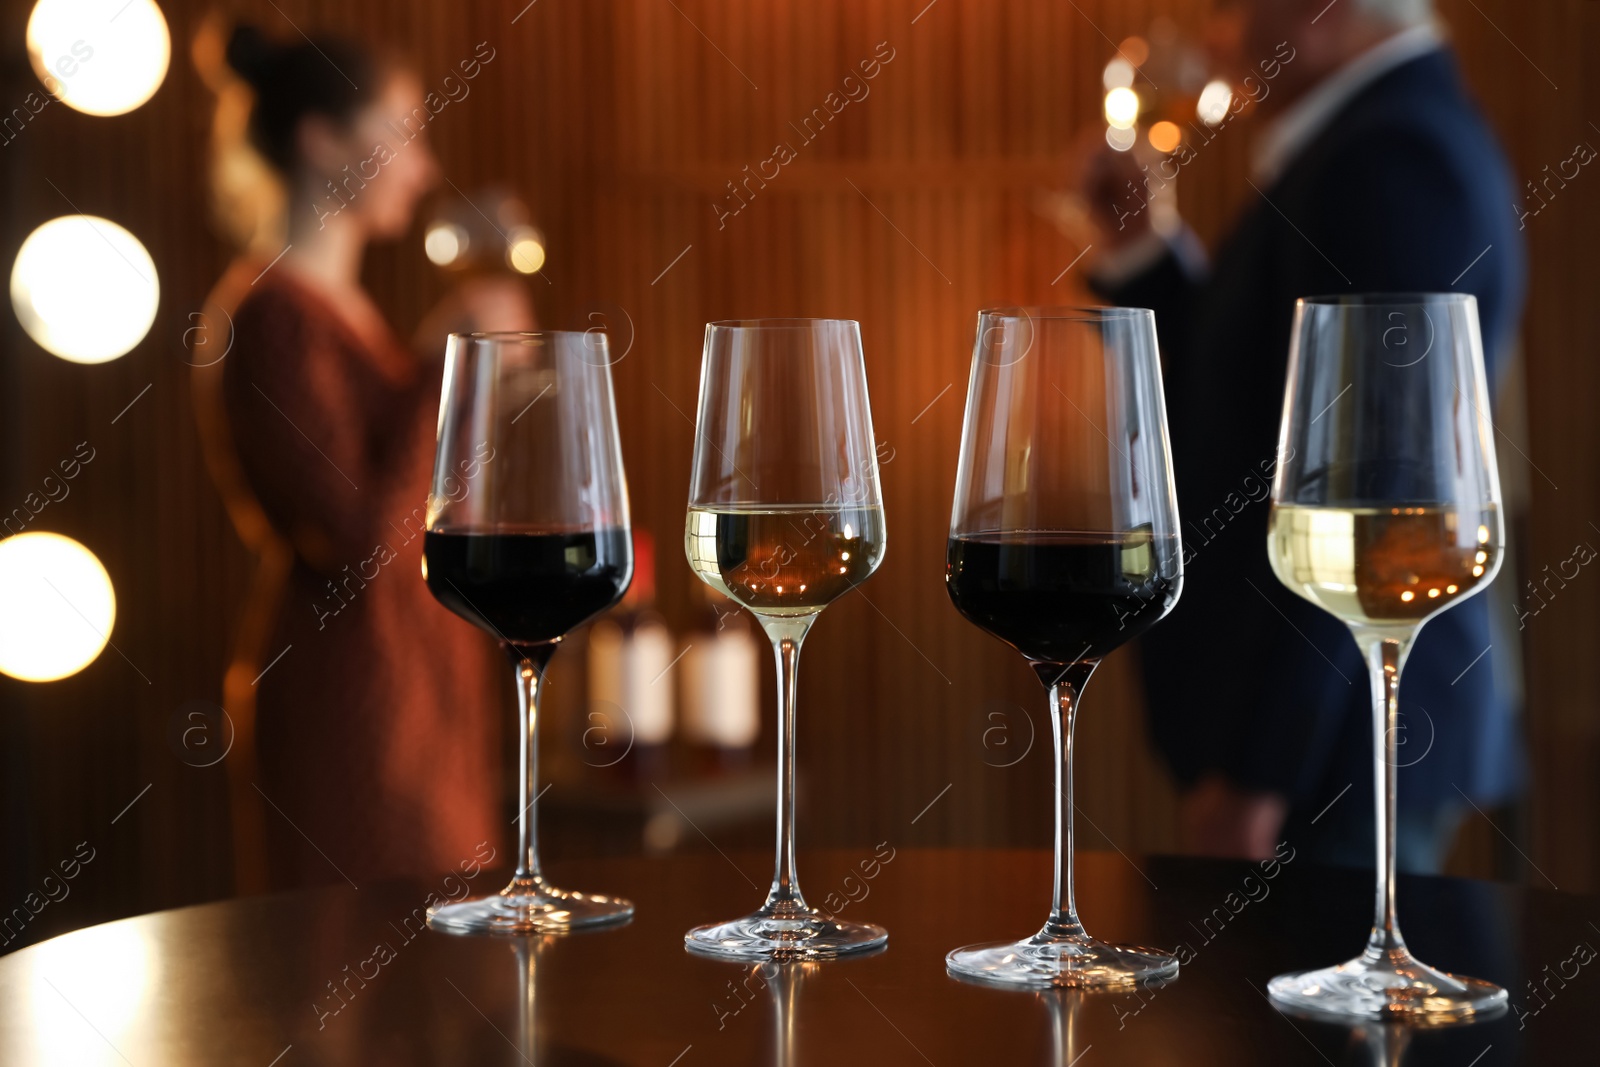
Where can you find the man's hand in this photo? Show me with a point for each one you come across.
(1217, 818)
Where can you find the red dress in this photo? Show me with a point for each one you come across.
(376, 728)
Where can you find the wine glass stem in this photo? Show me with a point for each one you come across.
(530, 663)
(1384, 659)
(1064, 696)
(784, 899)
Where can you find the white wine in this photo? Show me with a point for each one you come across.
(784, 562)
(1383, 567)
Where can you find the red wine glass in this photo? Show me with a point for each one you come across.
(527, 538)
(1064, 544)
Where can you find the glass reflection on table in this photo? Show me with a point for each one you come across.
(530, 1044)
(527, 950)
(1383, 1044)
(1063, 1006)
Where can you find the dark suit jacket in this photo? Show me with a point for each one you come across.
(1402, 191)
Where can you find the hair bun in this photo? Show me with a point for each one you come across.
(251, 54)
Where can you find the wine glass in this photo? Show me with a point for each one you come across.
(1064, 544)
(1386, 511)
(528, 537)
(785, 517)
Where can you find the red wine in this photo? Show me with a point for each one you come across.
(528, 588)
(1061, 598)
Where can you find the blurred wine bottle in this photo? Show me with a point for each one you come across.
(720, 685)
(630, 693)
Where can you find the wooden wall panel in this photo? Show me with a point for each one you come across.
(621, 121)
(1527, 65)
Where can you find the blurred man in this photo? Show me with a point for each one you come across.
(1372, 171)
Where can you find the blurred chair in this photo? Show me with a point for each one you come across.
(273, 559)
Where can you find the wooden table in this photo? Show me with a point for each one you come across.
(253, 982)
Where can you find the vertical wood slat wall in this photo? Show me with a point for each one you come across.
(621, 122)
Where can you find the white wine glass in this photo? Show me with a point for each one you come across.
(785, 516)
(1385, 512)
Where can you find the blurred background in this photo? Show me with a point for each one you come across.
(601, 156)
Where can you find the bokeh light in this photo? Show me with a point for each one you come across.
(525, 250)
(1135, 50)
(84, 288)
(102, 57)
(445, 243)
(1121, 140)
(1118, 74)
(1212, 106)
(1122, 108)
(59, 607)
(1165, 136)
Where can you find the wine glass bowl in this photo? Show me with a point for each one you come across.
(785, 516)
(1385, 569)
(527, 538)
(1064, 544)
(785, 562)
(1385, 512)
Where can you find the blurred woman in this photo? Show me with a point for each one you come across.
(365, 733)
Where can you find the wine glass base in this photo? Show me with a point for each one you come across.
(529, 907)
(763, 937)
(1046, 960)
(1398, 988)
